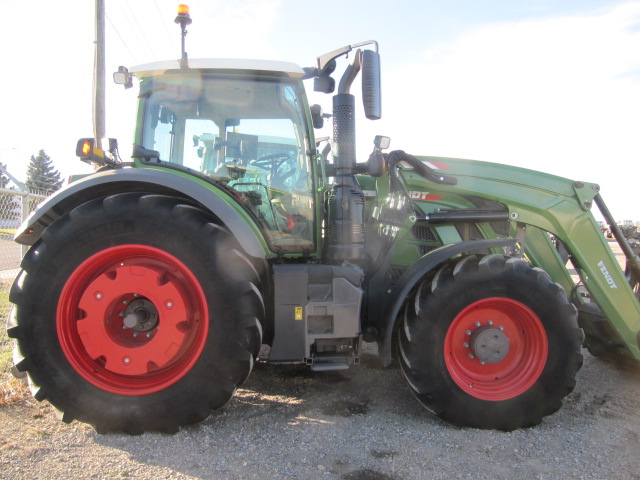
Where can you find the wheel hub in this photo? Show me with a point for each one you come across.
(496, 348)
(140, 315)
(489, 345)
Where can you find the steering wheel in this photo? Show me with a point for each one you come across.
(281, 169)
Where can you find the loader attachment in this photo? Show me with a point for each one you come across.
(606, 298)
(552, 220)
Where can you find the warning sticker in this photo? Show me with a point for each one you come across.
(298, 313)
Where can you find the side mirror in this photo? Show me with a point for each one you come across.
(371, 91)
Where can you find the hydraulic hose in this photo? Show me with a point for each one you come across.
(423, 170)
(632, 259)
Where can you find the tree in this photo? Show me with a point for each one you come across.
(41, 174)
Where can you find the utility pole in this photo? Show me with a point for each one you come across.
(99, 115)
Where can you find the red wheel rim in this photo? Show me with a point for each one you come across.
(132, 319)
(517, 369)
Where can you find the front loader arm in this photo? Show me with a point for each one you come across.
(546, 203)
(599, 271)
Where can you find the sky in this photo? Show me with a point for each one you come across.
(552, 85)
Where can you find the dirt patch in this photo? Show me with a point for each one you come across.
(363, 424)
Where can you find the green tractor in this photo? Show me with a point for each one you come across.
(153, 285)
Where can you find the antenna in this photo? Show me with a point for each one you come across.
(183, 19)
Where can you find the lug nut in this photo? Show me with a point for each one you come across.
(466, 345)
(477, 324)
(126, 360)
(468, 332)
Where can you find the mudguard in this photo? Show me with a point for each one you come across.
(111, 182)
(418, 270)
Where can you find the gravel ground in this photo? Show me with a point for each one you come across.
(361, 424)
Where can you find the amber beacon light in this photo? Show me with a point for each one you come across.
(183, 15)
(183, 19)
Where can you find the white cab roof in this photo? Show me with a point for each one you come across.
(158, 68)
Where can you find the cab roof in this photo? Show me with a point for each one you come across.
(268, 66)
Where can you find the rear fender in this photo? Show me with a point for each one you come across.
(417, 271)
(151, 181)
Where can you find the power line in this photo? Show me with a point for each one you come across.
(166, 29)
(155, 57)
(135, 31)
(138, 32)
(122, 40)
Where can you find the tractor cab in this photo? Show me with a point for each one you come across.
(243, 127)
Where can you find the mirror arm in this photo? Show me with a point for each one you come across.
(323, 60)
(350, 73)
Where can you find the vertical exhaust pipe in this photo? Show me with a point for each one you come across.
(346, 200)
(346, 222)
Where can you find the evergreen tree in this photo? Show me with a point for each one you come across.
(41, 174)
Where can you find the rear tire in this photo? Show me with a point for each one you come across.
(490, 342)
(135, 313)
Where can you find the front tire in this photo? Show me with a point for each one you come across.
(490, 342)
(136, 312)
(605, 343)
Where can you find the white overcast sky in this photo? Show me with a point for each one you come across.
(552, 85)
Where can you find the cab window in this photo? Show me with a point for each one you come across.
(250, 137)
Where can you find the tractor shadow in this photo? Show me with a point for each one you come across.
(296, 390)
(284, 422)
